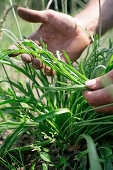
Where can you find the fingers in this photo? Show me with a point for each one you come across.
(93, 84)
(106, 109)
(37, 64)
(32, 15)
(99, 97)
(27, 58)
(62, 22)
(48, 71)
(100, 82)
(13, 47)
(101, 93)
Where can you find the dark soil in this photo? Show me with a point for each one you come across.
(28, 158)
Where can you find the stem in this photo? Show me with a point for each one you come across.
(49, 4)
(43, 5)
(18, 27)
(6, 30)
(31, 147)
(8, 36)
(56, 5)
(65, 6)
(8, 79)
(100, 24)
(32, 27)
(75, 87)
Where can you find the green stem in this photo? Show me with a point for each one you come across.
(65, 6)
(8, 79)
(31, 147)
(16, 19)
(75, 87)
(100, 24)
(43, 5)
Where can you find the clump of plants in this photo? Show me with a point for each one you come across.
(51, 124)
(54, 112)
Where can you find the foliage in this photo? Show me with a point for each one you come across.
(33, 4)
(55, 108)
(66, 131)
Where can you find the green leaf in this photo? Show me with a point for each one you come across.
(44, 166)
(51, 114)
(108, 164)
(62, 161)
(2, 116)
(45, 156)
(67, 57)
(10, 140)
(92, 153)
(109, 68)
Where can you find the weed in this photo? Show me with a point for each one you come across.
(4, 18)
(67, 132)
(44, 110)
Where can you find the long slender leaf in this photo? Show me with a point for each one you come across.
(51, 114)
(93, 156)
(10, 140)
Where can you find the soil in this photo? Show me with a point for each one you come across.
(28, 157)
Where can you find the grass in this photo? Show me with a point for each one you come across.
(59, 111)
(67, 132)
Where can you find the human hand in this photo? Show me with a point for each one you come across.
(100, 92)
(59, 31)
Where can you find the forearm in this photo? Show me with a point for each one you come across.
(107, 16)
(89, 17)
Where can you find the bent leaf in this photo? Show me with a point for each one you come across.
(51, 114)
(92, 153)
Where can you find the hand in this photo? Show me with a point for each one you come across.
(100, 92)
(59, 31)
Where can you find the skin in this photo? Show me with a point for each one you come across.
(63, 32)
(100, 93)
(59, 31)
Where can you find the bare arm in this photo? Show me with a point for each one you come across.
(89, 17)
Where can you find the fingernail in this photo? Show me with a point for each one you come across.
(27, 58)
(90, 83)
(37, 64)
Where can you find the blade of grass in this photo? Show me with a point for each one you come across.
(16, 19)
(51, 114)
(10, 140)
(92, 153)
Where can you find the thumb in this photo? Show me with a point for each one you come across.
(93, 84)
(32, 15)
(100, 82)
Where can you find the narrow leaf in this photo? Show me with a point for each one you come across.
(92, 153)
(51, 114)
